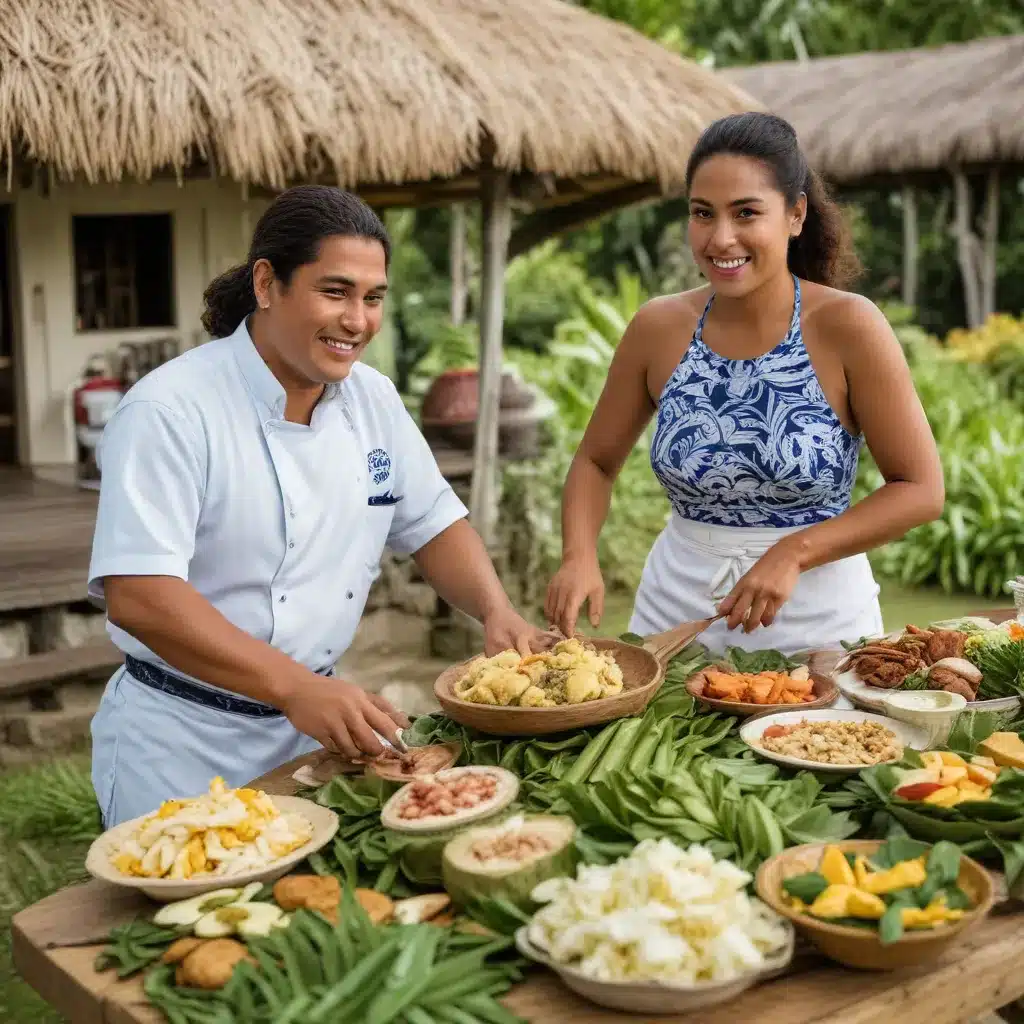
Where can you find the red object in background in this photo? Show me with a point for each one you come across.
(917, 790)
(93, 393)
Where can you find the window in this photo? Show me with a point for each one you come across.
(123, 271)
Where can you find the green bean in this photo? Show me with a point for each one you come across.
(407, 978)
(357, 978)
(643, 752)
(281, 944)
(325, 939)
(417, 1015)
(298, 1006)
(616, 756)
(489, 1010)
(279, 991)
(590, 755)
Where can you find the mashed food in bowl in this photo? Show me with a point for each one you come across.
(839, 742)
(572, 672)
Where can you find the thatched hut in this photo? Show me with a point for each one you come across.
(909, 117)
(190, 113)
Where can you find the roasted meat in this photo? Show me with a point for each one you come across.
(945, 643)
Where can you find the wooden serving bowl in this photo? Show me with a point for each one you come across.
(643, 669)
(859, 947)
(826, 692)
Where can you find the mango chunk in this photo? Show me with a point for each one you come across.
(951, 776)
(1005, 748)
(836, 868)
(861, 870)
(932, 759)
(950, 759)
(945, 797)
(906, 875)
(865, 904)
(833, 902)
(981, 774)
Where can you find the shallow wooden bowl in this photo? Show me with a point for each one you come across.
(858, 947)
(642, 673)
(826, 693)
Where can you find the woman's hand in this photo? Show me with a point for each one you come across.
(761, 592)
(577, 580)
(505, 629)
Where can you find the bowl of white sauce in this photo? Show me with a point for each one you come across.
(934, 711)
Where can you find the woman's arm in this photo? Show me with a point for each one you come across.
(621, 413)
(888, 411)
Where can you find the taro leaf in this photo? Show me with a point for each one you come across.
(807, 887)
(896, 851)
(971, 728)
(634, 639)
(1012, 852)
(819, 824)
(944, 863)
(890, 926)
(759, 661)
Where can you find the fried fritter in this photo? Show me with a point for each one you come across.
(211, 965)
(945, 643)
(888, 675)
(378, 907)
(946, 679)
(180, 948)
(294, 891)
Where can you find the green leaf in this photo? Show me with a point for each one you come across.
(890, 926)
(895, 851)
(807, 887)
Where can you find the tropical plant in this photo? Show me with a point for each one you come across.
(978, 543)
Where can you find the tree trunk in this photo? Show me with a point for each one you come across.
(989, 245)
(910, 246)
(457, 262)
(496, 214)
(967, 245)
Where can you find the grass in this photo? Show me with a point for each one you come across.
(48, 812)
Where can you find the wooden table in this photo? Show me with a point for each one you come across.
(984, 972)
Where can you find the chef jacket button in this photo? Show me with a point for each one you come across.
(291, 543)
(328, 650)
(282, 599)
(349, 595)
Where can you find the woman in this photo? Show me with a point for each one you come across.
(248, 489)
(764, 384)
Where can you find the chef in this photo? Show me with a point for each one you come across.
(249, 487)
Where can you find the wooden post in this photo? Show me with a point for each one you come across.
(966, 247)
(496, 223)
(910, 245)
(989, 244)
(457, 263)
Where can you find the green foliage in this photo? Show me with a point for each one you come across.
(975, 546)
(573, 375)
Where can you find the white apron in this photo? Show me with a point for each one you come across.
(693, 566)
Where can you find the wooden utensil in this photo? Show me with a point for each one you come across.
(643, 669)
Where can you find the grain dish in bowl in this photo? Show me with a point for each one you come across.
(830, 742)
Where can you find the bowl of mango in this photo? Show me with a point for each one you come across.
(878, 905)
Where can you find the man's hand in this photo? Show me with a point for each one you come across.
(506, 629)
(341, 716)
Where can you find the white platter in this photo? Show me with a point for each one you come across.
(751, 730)
(169, 890)
(654, 996)
(863, 695)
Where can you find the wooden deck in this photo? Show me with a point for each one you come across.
(45, 540)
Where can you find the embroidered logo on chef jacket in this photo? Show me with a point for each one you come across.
(378, 464)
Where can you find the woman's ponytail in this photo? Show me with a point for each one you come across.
(823, 251)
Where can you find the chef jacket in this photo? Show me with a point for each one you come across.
(279, 525)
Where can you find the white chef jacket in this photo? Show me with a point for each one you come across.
(281, 526)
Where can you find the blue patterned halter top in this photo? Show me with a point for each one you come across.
(752, 442)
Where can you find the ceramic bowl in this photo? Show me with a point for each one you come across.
(656, 996)
(169, 890)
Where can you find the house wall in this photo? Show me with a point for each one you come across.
(212, 225)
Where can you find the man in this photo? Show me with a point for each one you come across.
(248, 490)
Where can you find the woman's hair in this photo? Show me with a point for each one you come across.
(822, 252)
(288, 235)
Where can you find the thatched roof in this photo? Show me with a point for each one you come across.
(354, 91)
(902, 111)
